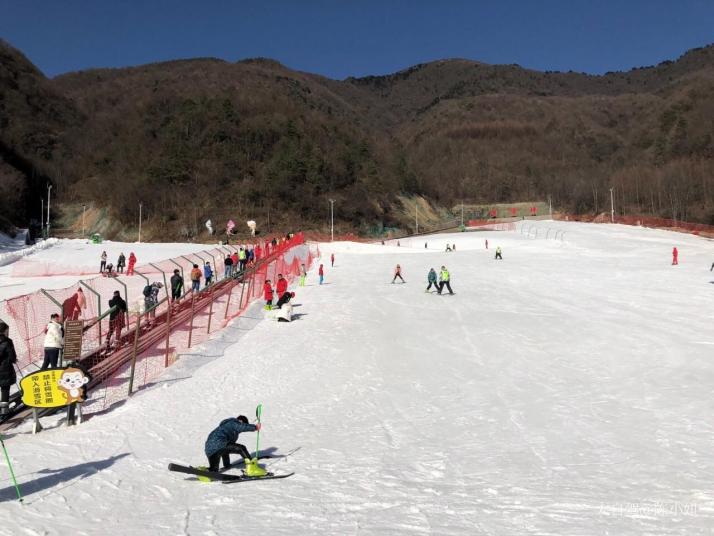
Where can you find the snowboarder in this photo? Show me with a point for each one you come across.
(222, 441)
(132, 262)
(196, 278)
(303, 275)
(121, 263)
(321, 273)
(207, 274)
(116, 317)
(102, 262)
(54, 341)
(431, 278)
(8, 358)
(675, 255)
(498, 253)
(398, 273)
(281, 286)
(444, 278)
(268, 294)
(332, 260)
(176, 285)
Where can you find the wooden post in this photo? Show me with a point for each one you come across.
(133, 353)
(190, 329)
(168, 334)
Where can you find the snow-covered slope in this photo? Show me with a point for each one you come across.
(564, 390)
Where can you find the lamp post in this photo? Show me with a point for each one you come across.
(49, 191)
(84, 208)
(416, 217)
(612, 207)
(140, 223)
(42, 214)
(462, 213)
(332, 220)
(550, 207)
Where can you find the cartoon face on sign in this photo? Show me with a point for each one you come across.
(72, 383)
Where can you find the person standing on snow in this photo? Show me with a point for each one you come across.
(303, 275)
(102, 262)
(281, 286)
(196, 278)
(121, 262)
(8, 358)
(222, 441)
(321, 273)
(431, 278)
(207, 274)
(498, 253)
(228, 267)
(444, 280)
(398, 273)
(54, 341)
(176, 285)
(675, 255)
(268, 294)
(132, 262)
(487, 243)
(332, 260)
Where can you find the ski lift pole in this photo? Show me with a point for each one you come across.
(258, 413)
(12, 473)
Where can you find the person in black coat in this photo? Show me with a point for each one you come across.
(176, 286)
(116, 317)
(8, 358)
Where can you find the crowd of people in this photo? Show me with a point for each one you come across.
(111, 270)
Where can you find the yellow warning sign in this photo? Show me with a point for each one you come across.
(53, 388)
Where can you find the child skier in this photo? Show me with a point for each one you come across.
(431, 278)
(303, 275)
(132, 262)
(268, 294)
(444, 278)
(675, 255)
(398, 273)
(321, 273)
(498, 253)
(222, 442)
(332, 259)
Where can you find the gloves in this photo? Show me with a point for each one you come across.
(258, 427)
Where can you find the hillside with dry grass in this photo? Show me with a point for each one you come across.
(205, 138)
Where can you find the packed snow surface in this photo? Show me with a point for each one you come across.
(566, 389)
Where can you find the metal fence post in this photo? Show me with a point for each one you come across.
(133, 353)
(99, 307)
(210, 309)
(190, 328)
(168, 334)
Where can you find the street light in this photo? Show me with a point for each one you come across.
(612, 207)
(49, 190)
(416, 216)
(84, 208)
(332, 220)
(140, 223)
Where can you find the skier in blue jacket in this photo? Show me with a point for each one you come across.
(221, 442)
(207, 273)
(431, 278)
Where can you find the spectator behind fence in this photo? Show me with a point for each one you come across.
(116, 318)
(176, 285)
(8, 358)
(151, 298)
(54, 341)
(196, 278)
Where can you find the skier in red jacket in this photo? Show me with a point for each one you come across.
(675, 254)
(268, 294)
(132, 262)
(281, 286)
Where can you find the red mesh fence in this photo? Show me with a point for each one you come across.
(645, 221)
(194, 318)
(492, 226)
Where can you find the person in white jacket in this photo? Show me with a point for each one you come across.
(54, 341)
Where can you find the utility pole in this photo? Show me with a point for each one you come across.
(49, 190)
(84, 208)
(332, 220)
(416, 217)
(139, 222)
(462, 213)
(612, 207)
(550, 207)
(42, 214)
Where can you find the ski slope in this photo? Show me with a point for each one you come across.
(564, 390)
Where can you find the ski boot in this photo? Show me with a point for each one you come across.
(252, 469)
(204, 478)
(4, 408)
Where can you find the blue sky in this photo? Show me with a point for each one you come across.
(356, 38)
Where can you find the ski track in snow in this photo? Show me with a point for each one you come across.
(563, 390)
